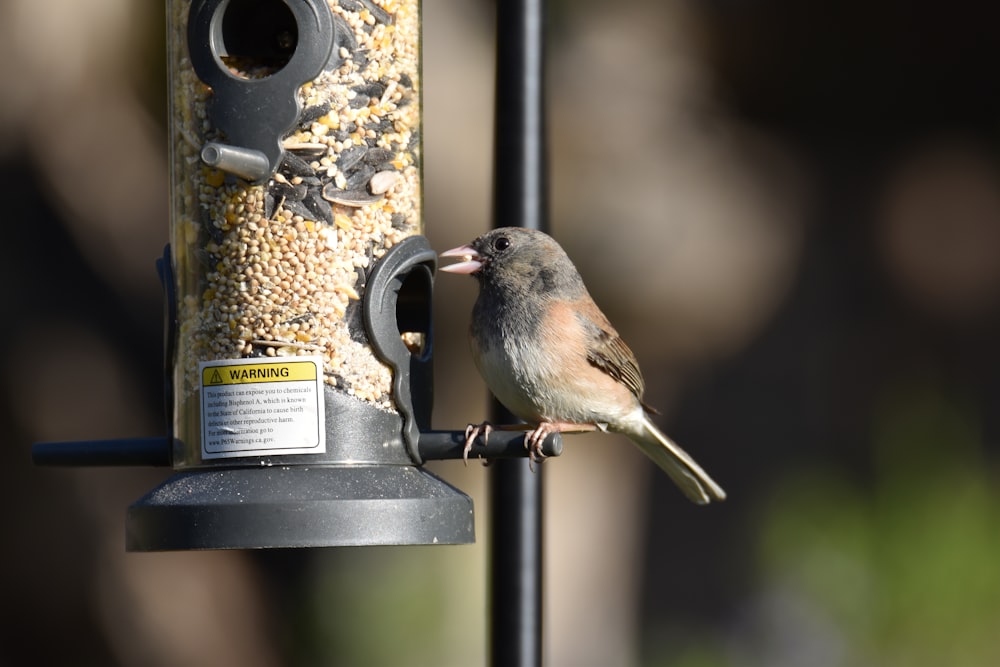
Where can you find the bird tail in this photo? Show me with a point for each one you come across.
(678, 464)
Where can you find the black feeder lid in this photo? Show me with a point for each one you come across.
(298, 506)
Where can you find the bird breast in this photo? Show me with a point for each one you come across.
(537, 367)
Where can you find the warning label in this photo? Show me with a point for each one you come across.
(262, 407)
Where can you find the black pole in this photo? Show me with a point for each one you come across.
(520, 198)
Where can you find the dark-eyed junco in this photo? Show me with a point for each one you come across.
(551, 357)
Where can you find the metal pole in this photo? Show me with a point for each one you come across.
(520, 197)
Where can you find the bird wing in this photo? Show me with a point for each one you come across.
(608, 352)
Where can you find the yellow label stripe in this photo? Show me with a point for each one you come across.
(291, 371)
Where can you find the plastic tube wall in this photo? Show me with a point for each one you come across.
(270, 253)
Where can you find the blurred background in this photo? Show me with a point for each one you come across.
(790, 210)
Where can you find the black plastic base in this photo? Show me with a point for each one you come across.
(299, 506)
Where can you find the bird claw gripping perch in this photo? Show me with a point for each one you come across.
(473, 431)
(533, 443)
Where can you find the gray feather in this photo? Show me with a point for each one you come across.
(678, 464)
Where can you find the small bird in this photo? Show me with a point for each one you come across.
(551, 357)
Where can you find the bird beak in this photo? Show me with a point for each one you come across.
(473, 262)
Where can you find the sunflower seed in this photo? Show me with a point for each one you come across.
(378, 156)
(311, 114)
(350, 157)
(319, 207)
(358, 177)
(297, 208)
(287, 190)
(294, 165)
(353, 198)
(306, 149)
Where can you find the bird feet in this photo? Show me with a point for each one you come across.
(472, 432)
(533, 440)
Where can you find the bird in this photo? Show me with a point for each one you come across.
(552, 358)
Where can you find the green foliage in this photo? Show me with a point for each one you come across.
(902, 571)
(375, 606)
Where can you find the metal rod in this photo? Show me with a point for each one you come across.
(127, 452)
(520, 197)
(441, 445)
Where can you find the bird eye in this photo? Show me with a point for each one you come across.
(501, 243)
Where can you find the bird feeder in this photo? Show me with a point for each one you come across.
(298, 289)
